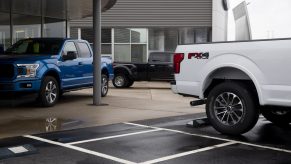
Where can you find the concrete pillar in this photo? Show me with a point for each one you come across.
(97, 52)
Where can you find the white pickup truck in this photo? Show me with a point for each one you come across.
(237, 81)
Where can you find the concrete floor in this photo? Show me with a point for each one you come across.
(162, 140)
(145, 100)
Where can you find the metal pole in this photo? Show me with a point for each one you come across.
(97, 52)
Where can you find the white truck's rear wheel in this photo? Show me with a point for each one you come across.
(231, 108)
(278, 117)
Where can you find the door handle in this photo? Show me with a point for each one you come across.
(152, 65)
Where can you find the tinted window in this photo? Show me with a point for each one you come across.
(38, 47)
(70, 47)
(161, 57)
(84, 50)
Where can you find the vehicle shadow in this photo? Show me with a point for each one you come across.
(28, 103)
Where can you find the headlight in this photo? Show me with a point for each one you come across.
(26, 70)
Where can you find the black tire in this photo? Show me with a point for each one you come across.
(231, 108)
(278, 117)
(130, 83)
(49, 92)
(120, 80)
(104, 85)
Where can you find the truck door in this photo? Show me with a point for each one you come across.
(85, 63)
(70, 71)
(161, 66)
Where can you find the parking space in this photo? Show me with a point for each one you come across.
(163, 140)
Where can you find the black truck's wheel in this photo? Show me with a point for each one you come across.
(120, 81)
(104, 85)
(49, 93)
(130, 83)
(231, 108)
(278, 117)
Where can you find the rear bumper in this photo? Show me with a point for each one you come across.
(174, 87)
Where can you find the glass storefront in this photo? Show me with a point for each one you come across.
(134, 44)
(26, 26)
(5, 40)
(31, 18)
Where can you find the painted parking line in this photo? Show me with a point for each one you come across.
(80, 149)
(188, 153)
(111, 137)
(210, 137)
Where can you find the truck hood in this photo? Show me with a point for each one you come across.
(24, 58)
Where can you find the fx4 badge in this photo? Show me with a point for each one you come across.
(198, 55)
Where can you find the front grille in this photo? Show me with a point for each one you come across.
(6, 71)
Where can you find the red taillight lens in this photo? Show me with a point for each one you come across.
(178, 58)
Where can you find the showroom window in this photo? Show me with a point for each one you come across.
(26, 26)
(194, 35)
(130, 44)
(163, 39)
(54, 27)
(5, 40)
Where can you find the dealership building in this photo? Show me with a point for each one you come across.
(131, 29)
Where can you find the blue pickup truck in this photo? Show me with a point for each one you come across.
(45, 68)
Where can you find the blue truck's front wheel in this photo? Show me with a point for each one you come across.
(49, 93)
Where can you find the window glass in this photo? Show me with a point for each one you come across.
(202, 35)
(70, 47)
(163, 39)
(138, 53)
(26, 26)
(138, 35)
(106, 36)
(186, 36)
(122, 53)
(84, 50)
(106, 49)
(122, 35)
(4, 31)
(159, 57)
(54, 27)
(36, 46)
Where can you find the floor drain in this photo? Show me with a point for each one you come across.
(16, 151)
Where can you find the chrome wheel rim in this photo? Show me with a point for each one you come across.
(119, 81)
(104, 85)
(51, 92)
(228, 108)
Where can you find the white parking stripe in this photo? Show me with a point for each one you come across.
(111, 137)
(187, 153)
(210, 137)
(80, 149)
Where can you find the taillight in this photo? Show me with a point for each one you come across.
(178, 58)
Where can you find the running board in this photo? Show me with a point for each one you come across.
(197, 102)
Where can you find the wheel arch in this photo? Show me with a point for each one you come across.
(230, 73)
(54, 74)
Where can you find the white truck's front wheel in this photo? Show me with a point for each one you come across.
(231, 108)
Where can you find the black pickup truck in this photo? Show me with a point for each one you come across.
(158, 68)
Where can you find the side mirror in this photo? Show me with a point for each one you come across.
(71, 55)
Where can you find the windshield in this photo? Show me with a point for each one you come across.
(37, 47)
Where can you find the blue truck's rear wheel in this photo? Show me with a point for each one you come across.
(231, 108)
(49, 93)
